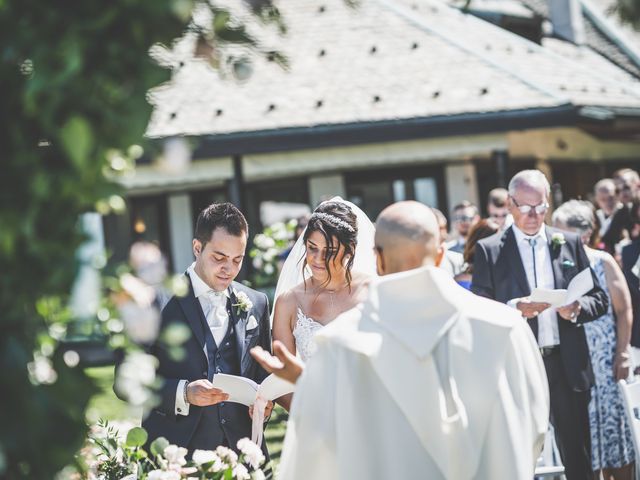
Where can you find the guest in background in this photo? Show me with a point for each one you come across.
(452, 262)
(627, 184)
(465, 216)
(629, 256)
(608, 336)
(507, 267)
(483, 229)
(497, 207)
(605, 198)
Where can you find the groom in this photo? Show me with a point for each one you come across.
(423, 380)
(226, 319)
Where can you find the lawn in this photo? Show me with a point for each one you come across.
(107, 406)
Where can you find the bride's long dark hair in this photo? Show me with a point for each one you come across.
(338, 224)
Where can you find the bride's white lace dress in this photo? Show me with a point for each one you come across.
(304, 331)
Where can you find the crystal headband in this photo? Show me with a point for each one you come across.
(333, 220)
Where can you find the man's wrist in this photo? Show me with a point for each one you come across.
(185, 397)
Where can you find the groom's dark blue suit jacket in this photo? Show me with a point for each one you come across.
(207, 427)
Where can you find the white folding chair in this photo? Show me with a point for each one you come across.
(549, 464)
(631, 395)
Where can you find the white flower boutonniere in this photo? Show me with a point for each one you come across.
(557, 239)
(243, 304)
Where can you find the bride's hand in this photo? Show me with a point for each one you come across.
(286, 365)
(267, 410)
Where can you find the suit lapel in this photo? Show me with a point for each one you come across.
(554, 255)
(193, 312)
(515, 261)
(239, 327)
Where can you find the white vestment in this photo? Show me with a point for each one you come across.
(424, 380)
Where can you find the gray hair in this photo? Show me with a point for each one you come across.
(605, 184)
(576, 214)
(529, 178)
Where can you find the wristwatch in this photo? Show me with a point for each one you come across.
(184, 393)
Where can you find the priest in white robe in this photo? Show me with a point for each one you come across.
(424, 380)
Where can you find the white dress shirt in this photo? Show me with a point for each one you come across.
(214, 307)
(548, 334)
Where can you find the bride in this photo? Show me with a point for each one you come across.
(326, 274)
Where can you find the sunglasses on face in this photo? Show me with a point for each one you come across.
(525, 209)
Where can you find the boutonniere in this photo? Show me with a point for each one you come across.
(243, 304)
(557, 240)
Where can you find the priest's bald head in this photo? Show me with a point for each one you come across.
(407, 237)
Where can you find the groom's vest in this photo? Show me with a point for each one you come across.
(218, 421)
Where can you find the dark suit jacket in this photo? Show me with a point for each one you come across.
(630, 255)
(178, 429)
(498, 273)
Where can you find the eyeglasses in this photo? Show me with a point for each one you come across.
(624, 188)
(462, 218)
(525, 209)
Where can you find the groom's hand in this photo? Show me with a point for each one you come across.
(285, 365)
(202, 393)
(268, 408)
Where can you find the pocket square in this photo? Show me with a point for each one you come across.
(252, 323)
(568, 264)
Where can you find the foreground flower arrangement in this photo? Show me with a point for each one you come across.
(111, 458)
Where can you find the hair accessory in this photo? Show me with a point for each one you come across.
(333, 220)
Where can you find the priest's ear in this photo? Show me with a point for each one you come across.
(442, 248)
(380, 263)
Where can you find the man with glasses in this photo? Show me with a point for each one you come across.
(465, 216)
(507, 267)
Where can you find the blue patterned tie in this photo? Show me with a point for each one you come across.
(533, 241)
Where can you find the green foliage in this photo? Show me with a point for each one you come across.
(629, 12)
(74, 77)
(267, 251)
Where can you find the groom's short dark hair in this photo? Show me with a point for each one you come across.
(220, 215)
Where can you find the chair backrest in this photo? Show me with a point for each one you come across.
(631, 395)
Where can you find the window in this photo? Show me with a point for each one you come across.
(373, 191)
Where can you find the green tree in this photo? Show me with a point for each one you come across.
(74, 76)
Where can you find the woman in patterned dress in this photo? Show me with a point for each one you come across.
(608, 338)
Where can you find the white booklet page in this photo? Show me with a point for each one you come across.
(578, 286)
(244, 390)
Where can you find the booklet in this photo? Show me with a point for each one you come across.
(578, 286)
(244, 390)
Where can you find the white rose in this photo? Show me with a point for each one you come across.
(175, 455)
(163, 475)
(204, 456)
(240, 472)
(268, 269)
(259, 241)
(258, 475)
(227, 454)
(252, 452)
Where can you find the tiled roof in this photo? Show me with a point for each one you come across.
(384, 60)
(595, 37)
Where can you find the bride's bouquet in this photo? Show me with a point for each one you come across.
(114, 458)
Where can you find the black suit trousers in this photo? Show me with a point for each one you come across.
(570, 420)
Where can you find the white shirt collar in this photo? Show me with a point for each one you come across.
(199, 286)
(521, 236)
